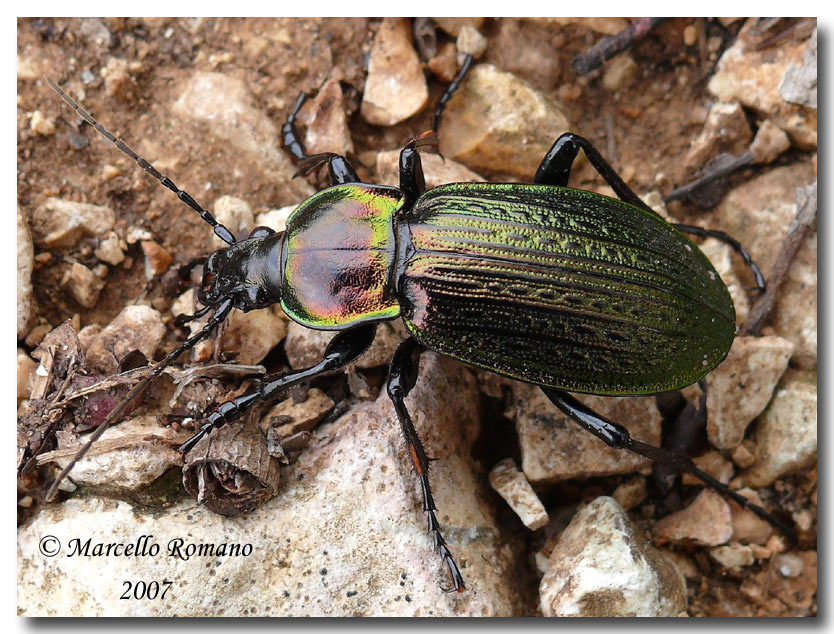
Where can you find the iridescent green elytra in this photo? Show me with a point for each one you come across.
(563, 288)
(550, 285)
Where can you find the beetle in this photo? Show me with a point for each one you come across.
(562, 288)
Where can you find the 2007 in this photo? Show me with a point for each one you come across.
(142, 590)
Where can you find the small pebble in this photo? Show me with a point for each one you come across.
(631, 494)
(236, 215)
(82, 284)
(60, 224)
(510, 484)
(471, 41)
(602, 566)
(786, 434)
(789, 564)
(734, 556)
(25, 367)
(157, 259)
(619, 72)
(770, 141)
(137, 327)
(690, 35)
(41, 124)
(110, 250)
(707, 522)
(739, 389)
(742, 456)
(395, 88)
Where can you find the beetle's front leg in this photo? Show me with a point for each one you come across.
(340, 169)
(401, 378)
(617, 436)
(343, 348)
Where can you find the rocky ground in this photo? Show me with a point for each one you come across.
(536, 512)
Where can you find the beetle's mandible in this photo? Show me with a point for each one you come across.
(562, 288)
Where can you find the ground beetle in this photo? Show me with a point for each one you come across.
(562, 288)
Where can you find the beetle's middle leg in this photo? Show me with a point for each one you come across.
(340, 169)
(342, 349)
(617, 436)
(401, 378)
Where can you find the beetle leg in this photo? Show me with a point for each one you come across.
(340, 169)
(451, 89)
(617, 436)
(555, 170)
(556, 165)
(761, 285)
(401, 378)
(343, 348)
(412, 181)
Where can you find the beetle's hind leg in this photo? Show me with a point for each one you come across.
(340, 169)
(557, 163)
(401, 378)
(761, 285)
(617, 436)
(555, 170)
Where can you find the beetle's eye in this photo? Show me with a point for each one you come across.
(261, 232)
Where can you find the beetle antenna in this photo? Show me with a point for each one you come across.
(219, 315)
(219, 230)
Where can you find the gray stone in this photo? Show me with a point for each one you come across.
(799, 83)
(395, 88)
(60, 224)
(227, 107)
(511, 485)
(786, 435)
(739, 389)
(555, 448)
(135, 328)
(602, 566)
(497, 122)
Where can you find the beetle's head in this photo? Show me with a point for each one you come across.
(248, 272)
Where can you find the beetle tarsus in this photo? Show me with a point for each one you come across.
(344, 348)
(617, 436)
(402, 377)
